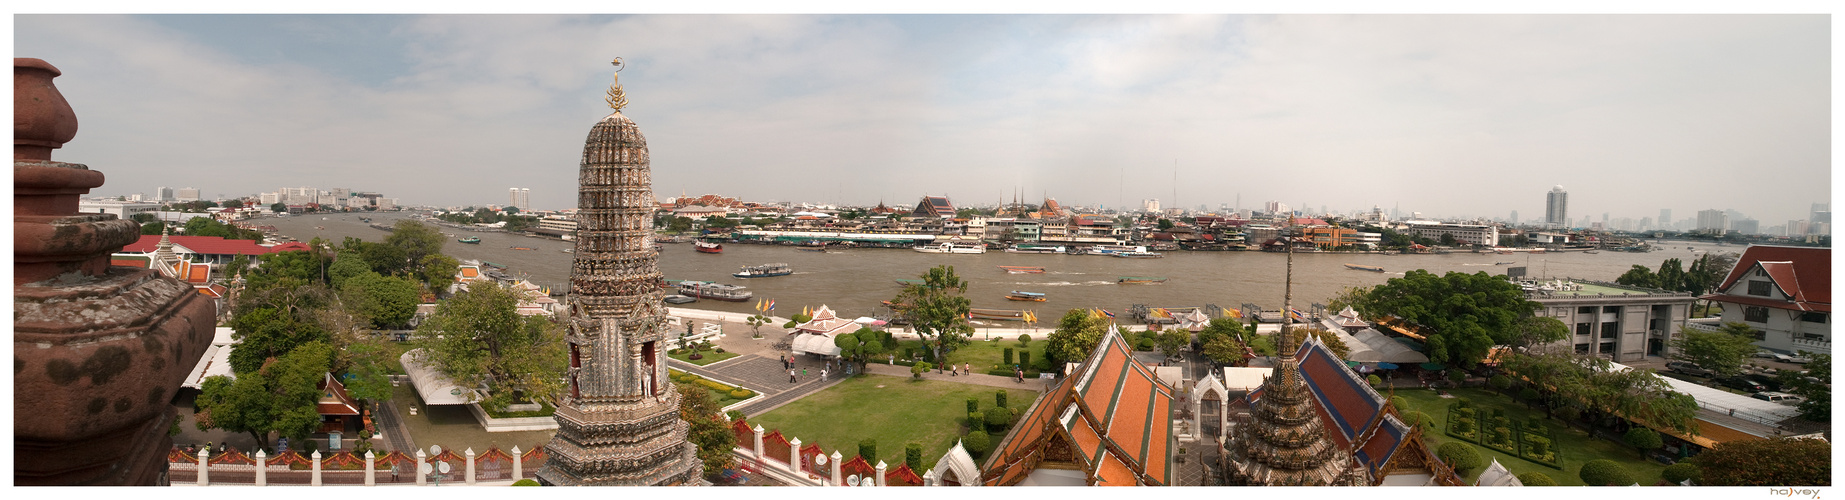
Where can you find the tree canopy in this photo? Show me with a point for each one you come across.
(279, 396)
(273, 321)
(1467, 314)
(1076, 335)
(860, 346)
(1818, 405)
(1590, 383)
(1771, 462)
(937, 309)
(1722, 351)
(708, 429)
(384, 301)
(477, 339)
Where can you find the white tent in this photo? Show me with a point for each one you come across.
(1389, 349)
(815, 344)
(1237, 378)
(433, 386)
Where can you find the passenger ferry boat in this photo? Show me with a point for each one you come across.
(908, 282)
(1140, 280)
(996, 314)
(716, 291)
(1361, 267)
(1034, 248)
(952, 247)
(1137, 255)
(707, 246)
(1115, 249)
(764, 271)
(1025, 296)
(471, 240)
(1022, 269)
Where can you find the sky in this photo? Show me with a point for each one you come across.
(1449, 115)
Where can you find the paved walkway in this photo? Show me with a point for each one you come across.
(974, 378)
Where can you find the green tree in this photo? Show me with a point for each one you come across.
(679, 224)
(279, 397)
(1643, 439)
(1224, 350)
(1467, 314)
(346, 266)
(1671, 275)
(1076, 335)
(1540, 330)
(437, 271)
(1722, 351)
(1818, 404)
(476, 338)
(1770, 462)
(303, 266)
(279, 208)
(1500, 383)
(1172, 340)
(143, 218)
(1460, 456)
(1165, 225)
(1707, 272)
(1589, 382)
(707, 429)
(152, 228)
(1639, 276)
(1604, 472)
(386, 301)
(1447, 240)
(860, 346)
(1680, 472)
(976, 442)
(937, 309)
(274, 321)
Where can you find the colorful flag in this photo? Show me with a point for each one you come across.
(1235, 313)
(1109, 314)
(758, 305)
(771, 305)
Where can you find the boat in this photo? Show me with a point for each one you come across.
(1114, 249)
(1140, 280)
(908, 282)
(679, 299)
(493, 265)
(1138, 255)
(382, 227)
(569, 250)
(952, 247)
(1507, 263)
(764, 271)
(707, 246)
(1591, 252)
(1022, 269)
(996, 314)
(1025, 296)
(716, 291)
(1362, 267)
(1034, 248)
(471, 240)
(812, 249)
(522, 248)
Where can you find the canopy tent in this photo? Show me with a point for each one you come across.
(1355, 349)
(867, 320)
(1386, 366)
(433, 386)
(816, 336)
(1434, 366)
(1194, 320)
(815, 344)
(1388, 349)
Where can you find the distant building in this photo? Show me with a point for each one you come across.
(1514, 219)
(1713, 220)
(934, 206)
(1556, 207)
(1329, 237)
(187, 194)
(1470, 234)
(163, 193)
(121, 209)
(1745, 226)
(1665, 217)
(521, 198)
(1785, 293)
(1150, 205)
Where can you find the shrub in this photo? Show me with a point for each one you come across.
(1025, 359)
(789, 324)
(1461, 425)
(1604, 472)
(1399, 403)
(1528, 394)
(1024, 339)
(1419, 419)
(919, 368)
(1145, 344)
(999, 398)
(525, 482)
(1460, 456)
(976, 420)
(695, 356)
(1568, 413)
(973, 405)
(868, 449)
(734, 415)
(1374, 380)
(1539, 446)
(1643, 438)
(741, 393)
(1005, 357)
(1536, 479)
(1456, 376)
(719, 350)
(976, 442)
(997, 418)
(1679, 472)
(1500, 382)
(912, 455)
(1462, 403)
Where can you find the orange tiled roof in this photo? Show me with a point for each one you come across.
(1118, 412)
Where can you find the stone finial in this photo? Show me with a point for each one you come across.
(515, 451)
(315, 455)
(368, 454)
(759, 428)
(42, 119)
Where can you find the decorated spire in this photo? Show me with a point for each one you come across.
(616, 98)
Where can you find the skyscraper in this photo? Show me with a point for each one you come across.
(521, 198)
(618, 424)
(1713, 220)
(163, 193)
(1665, 218)
(1556, 207)
(1514, 220)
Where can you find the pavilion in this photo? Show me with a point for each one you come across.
(816, 335)
(1109, 423)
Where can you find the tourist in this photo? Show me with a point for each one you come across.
(803, 371)
(967, 368)
(790, 375)
(823, 373)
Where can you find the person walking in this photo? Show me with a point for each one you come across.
(823, 373)
(790, 375)
(803, 371)
(967, 368)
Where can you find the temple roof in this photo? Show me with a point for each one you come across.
(1113, 413)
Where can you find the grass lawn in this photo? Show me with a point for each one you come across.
(709, 357)
(1575, 444)
(985, 355)
(895, 411)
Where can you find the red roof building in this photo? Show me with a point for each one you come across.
(1108, 424)
(1785, 293)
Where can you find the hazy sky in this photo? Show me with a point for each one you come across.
(1451, 115)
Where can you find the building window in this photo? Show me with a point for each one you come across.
(1582, 348)
(1582, 329)
(1611, 329)
(1606, 348)
(1585, 310)
(1813, 317)
(1758, 288)
(1755, 314)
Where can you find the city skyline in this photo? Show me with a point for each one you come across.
(1445, 115)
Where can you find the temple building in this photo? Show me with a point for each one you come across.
(933, 206)
(1109, 423)
(618, 423)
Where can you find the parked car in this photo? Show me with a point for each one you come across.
(1799, 359)
(1779, 397)
(1689, 368)
(1774, 356)
(1744, 384)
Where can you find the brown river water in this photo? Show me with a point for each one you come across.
(854, 281)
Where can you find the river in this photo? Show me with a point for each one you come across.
(854, 281)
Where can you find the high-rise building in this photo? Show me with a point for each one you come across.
(1150, 205)
(1514, 220)
(187, 194)
(1556, 207)
(1665, 217)
(618, 421)
(1713, 220)
(1745, 226)
(163, 193)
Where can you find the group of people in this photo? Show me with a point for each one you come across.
(788, 364)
